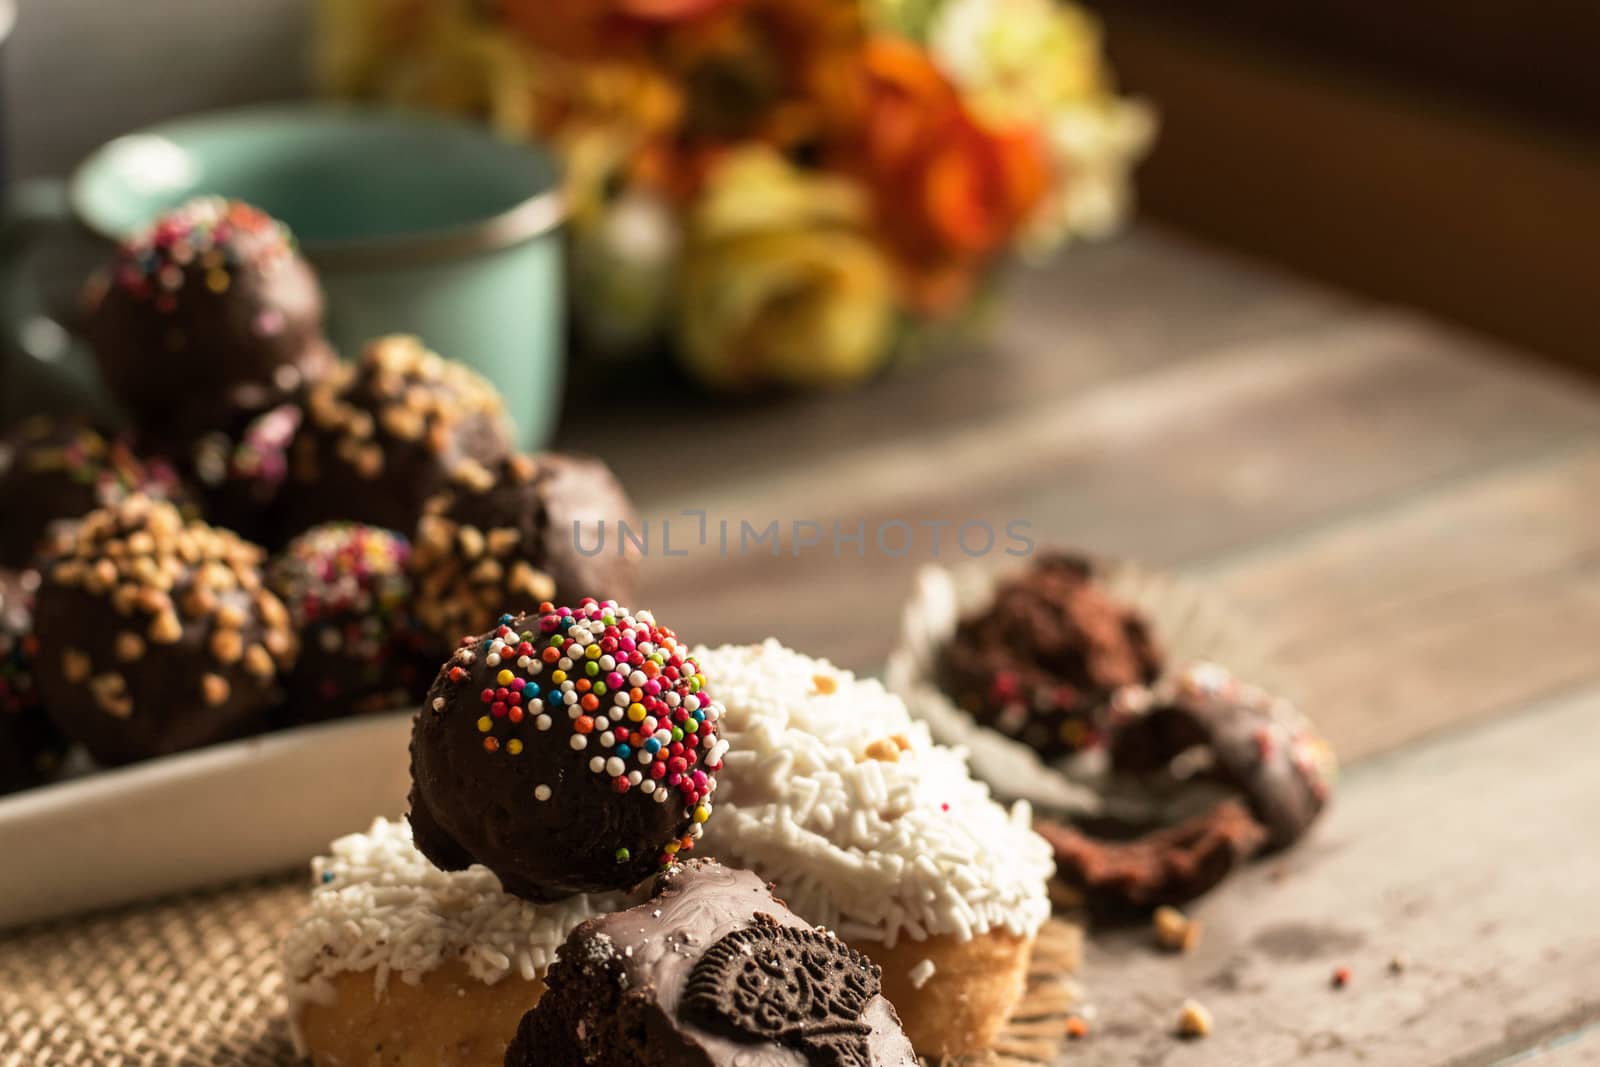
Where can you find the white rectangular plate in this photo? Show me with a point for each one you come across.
(199, 818)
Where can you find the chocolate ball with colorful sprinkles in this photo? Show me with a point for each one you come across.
(346, 589)
(157, 634)
(207, 312)
(55, 471)
(387, 432)
(31, 748)
(572, 750)
(530, 529)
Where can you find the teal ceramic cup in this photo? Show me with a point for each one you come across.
(415, 225)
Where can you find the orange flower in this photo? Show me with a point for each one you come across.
(948, 190)
(783, 72)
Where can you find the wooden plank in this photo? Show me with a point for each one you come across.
(1173, 466)
(1476, 858)
(1099, 313)
(1441, 609)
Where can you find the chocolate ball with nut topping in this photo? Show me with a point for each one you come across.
(55, 471)
(508, 538)
(157, 635)
(384, 434)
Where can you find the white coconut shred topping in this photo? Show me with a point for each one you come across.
(833, 792)
(379, 905)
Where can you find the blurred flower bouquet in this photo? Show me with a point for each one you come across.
(783, 189)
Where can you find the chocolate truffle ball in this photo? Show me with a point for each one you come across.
(571, 751)
(1257, 743)
(711, 971)
(239, 471)
(208, 312)
(346, 589)
(157, 635)
(31, 748)
(530, 529)
(55, 471)
(1044, 662)
(383, 435)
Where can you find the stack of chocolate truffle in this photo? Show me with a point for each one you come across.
(239, 556)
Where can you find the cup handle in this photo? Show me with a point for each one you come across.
(42, 367)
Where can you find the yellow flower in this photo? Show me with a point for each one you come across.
(781, 285)
(433, 54)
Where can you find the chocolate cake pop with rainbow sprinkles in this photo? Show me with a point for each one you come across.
(208, 312)
(572, 750)
(346, 589)
(31, 748)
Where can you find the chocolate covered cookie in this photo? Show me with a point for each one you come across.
(1042, 663)
(711, 971)
(156, 634)
(348, 593)
(527, 530)
(208, 313)
(1204, 722)
(55, 471)
(569, 751)
(31, 748)
(383, 435)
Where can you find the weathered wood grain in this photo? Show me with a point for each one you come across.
(1222, 454)
(1100, 313)
(1446, 607)
(1475, 858)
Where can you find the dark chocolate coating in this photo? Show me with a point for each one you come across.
(1042, 663)
(239, 470)
(31, 748)
(347, 591)
(552, 810)
(1256, 743)
(209, 312)
(55, 471)
(511, 540)
(711, 971)
(157, 635)
(383, 435)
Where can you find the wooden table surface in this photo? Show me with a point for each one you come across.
(1409, 514)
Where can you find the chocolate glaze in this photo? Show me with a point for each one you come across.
(706, 974)
(1256, 743)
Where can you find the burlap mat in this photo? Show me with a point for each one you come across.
(194, 982)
